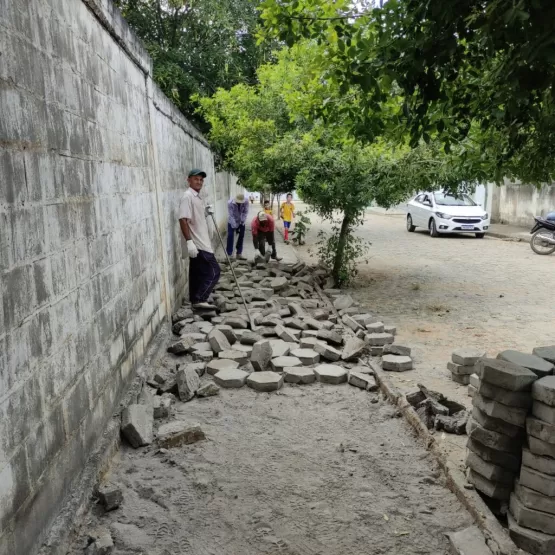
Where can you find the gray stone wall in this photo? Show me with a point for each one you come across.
(93, 162)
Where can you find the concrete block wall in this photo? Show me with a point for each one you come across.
(93, 162)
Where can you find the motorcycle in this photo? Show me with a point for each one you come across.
(543, 235)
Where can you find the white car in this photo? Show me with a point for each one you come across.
(446, 213)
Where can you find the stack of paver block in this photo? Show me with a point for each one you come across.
(532, 506)
(463, 364)
(497, 427)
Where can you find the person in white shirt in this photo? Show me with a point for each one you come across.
(204, 270)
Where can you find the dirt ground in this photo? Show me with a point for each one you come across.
(450, 292)
(310, 470)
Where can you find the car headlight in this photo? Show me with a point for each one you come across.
(485, 216)
(443, 216)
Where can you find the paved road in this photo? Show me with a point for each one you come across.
(451, 292)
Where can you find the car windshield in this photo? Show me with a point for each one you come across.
(445, 199)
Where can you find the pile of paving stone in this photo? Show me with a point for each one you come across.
(463, 364)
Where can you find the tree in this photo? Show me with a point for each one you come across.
(197, 47)
(461, 68)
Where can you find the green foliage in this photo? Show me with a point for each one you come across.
(302, 223)
(197, 47)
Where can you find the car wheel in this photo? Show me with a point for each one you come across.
(433, 229)
(410, 227)
(480, 235)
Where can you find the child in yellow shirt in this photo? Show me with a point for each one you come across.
(287, 214)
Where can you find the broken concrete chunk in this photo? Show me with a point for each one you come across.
(364, 381)
(281, 348)
(183, 346)
(187, 384)
(463, 380)
(278, 364)
(469, 541)
(352, 323)
(250, 338)
(379, 339)
(162, 406)
(177, 433)
(467, 356)
(231, 378)
(136, 425)
(204, 356)
(299, 375)
(265, 381)
(285, 334)
(261, 355)
(208, 390)
(102, 544)
(110, 496)
(543, 390)
(218, 341)
(395, 349)
(452, 424)
(354, 349)
(538, 365)
(313, 324)
(214, 366)
(296, 324)
(396, 363)
(228, 332)
(327, 352)
(309, 342)
(238, 356)
(331, 336)
(279, 283)
(505, 374)
(342, 302)
(330, 373)
(306, 356)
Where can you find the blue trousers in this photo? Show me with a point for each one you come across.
(231, 239)
(204, 273)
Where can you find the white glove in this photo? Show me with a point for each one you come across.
(209, 210)
(257, 253)
(192, 248)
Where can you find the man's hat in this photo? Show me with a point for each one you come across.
(239, 198)
(196, 171)
(262, 216)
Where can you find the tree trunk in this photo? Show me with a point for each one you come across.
(338, 261)
(278, 210)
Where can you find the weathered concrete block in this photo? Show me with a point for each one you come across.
(280, 363)
(309, 333)
(330, 373)
(534, 499)
(110, 496)
(493, 440)
(136, 425)
(342, 302)
(218, 341)
(204, 356)
(489, 470)
(395, 349)
(540, 429)
(364, 381)
(518, 399)
(530, 518)
(540, 447)
(286, 334)
(313, 324)
(459, 370)
(250, 338)
(547, 353)
(231, 378)
(475, 381)
(494, 490)
(469, 541)
(162, 406)
(178, 433)
(537, 481)
(279, 283)
(202, 346)
(238, 356)
(228, 332)
(363, 369)
(188, 383)
(102, 544)
(545, 465)
(375, 327)
(236, 322)
(214, 366)
(331, 336)
(309, 342)
(265, 381)
(543, 390)
(354, 349)
(509, 461)
(471, 390)
(505, 374)
(395, 363)
(327, 352)
(351, 323)
(183, 346)
(295, 324)
(390, 329)
(261, 355)
(462, 380)
(299, 375)
(497, 425)
(208, 390)
(320, 314)
(511, 415)
(281, 348)
(543, 412)
(306, 356)
(243, 348)
(531, 541)
(538, 365)
(379, 339)
(467, 356)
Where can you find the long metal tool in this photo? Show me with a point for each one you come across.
(251, 320)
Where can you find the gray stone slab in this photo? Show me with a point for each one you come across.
(202, 346)
(136, 425)
(491, 439)
(509, 461)
(530, 518)
(354, 348)
(306, 356)
(363, 369)
(250, 338)
(511, 415)
(540, 429)
(342, 302)
(518, 399)
(214, 366)
(460, 370)
(238, 356)
(205, 356)
(309, 342)
(364, 381)
(265, 381)
(489, 470)
(281, 348)
(309, 333)
(299, 375)
(375, 327)
(537, 481)
(531, 541)
(545, 465)
(218, 341)
(331, 336)
(475, 381)
(547, 353)
(390, 329)
(236, 322)
(379, 339)
(540, 447)
(287, 334)
(471, 391)
(328, 352)
(470, 541)
(505, 374)
(538, 365)
(231, 378)
(278, 364)
(183, 346)
(497, 425)
(396, 363)
(467, 356)
(243, 348)
(208, 390)
(261, 355)
(351, 323)
(188, 383)
(396, 349)
(462, 380)
(495, 490)
(543, 412)
(279, 283)
(375, 351)
(330, 373)
(534, 499)
(543, 390)
(228, 332)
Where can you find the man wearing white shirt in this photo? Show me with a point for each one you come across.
(204, 270)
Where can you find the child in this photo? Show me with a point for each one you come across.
(267, 208)
(287, 215)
